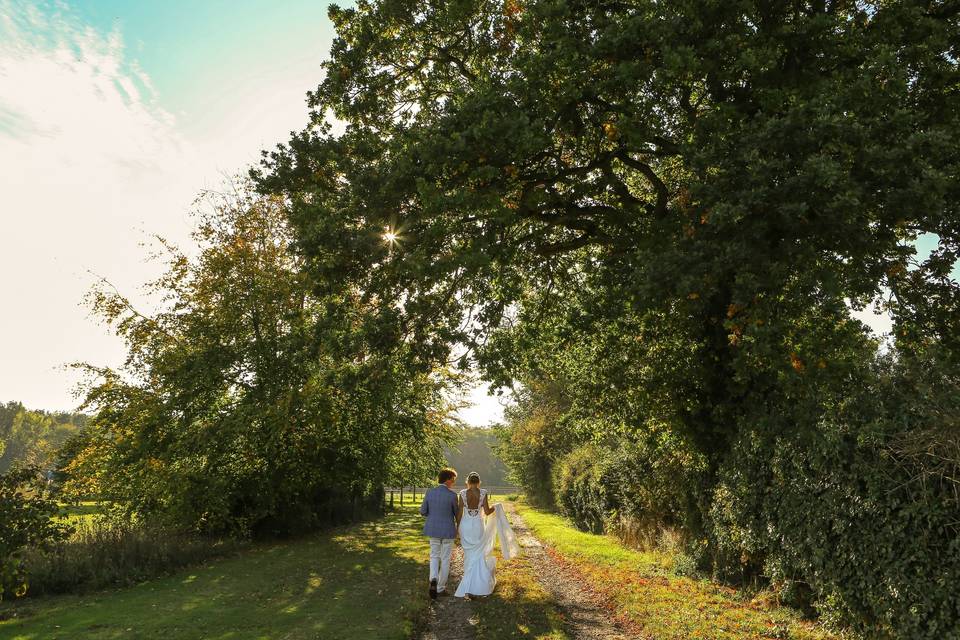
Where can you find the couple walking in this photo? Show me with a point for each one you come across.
(479, 525)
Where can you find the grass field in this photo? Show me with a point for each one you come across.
(643, 591)
(358, 582)
(362, 581)
(82, 511)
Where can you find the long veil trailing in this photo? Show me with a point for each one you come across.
(498, 528)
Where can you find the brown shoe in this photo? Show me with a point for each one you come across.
(433, 589)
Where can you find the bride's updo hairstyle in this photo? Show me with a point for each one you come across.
(473, 478)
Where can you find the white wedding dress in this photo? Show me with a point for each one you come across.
(478, 533)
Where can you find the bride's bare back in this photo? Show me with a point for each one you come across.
(472, 501)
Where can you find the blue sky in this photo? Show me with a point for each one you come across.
(114, 115)
(190, 49)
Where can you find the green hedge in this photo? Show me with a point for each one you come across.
(859, 511)
(852, 511)
(581, 491)
(636, 488)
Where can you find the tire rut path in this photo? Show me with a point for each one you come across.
(452, 618)
(584, 616)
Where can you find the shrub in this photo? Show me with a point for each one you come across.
(637, 489)
(850, 513)
(684, 564)
(26, 512)
(581, 494)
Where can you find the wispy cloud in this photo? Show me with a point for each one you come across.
(68, 94)
(87, 156)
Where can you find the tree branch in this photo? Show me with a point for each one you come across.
(663, 195)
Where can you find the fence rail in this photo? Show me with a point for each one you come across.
(409, 495)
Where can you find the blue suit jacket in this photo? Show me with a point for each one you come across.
(440, 507)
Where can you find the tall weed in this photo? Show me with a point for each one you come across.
(105, 552)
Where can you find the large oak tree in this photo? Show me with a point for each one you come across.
(727, 165)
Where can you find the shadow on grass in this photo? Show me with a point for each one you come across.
(351, 582)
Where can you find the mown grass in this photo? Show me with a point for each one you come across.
(644, 594)
(358, 582)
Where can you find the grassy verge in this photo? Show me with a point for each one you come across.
(644, 593)
(358, 582)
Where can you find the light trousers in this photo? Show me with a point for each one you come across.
(440, 549)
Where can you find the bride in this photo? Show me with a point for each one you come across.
(478, 531)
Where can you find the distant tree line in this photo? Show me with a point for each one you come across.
(476, 451)
(33, 438)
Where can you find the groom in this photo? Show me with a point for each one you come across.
(440, 507)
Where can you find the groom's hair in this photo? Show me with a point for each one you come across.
(446, 474)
